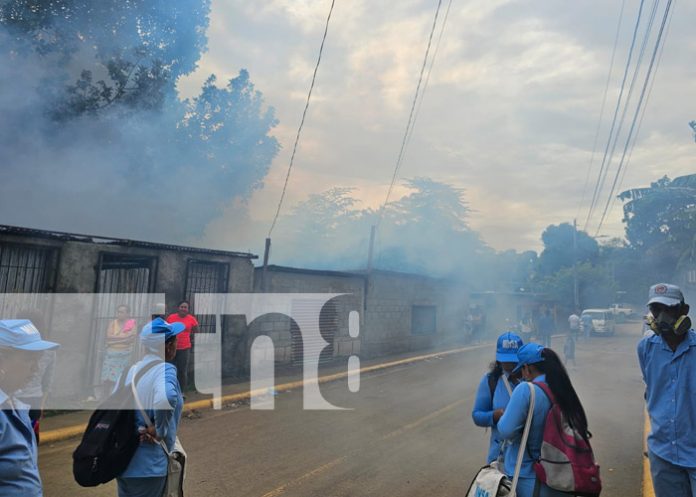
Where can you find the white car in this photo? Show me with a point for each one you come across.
(603, 322)
(622, 311)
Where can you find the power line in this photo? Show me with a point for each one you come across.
(616, 112)
(601, 111)
(430, 70)
(410, 116)
(642, 113)
(626, 105)
(638, 108)
(304, 114)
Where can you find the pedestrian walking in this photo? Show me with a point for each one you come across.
(587, 326)
(538, 365)
(574, 325)
(667, 360)
(185, 340)
(120, 341)
(494, 390)
(546, 328)
(21, 346)
(569, 349)
(146, 474)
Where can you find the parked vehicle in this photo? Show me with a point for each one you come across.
(603, 322)
(622, 312)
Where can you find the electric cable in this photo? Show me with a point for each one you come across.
(616, 112)
(601, 111)
(638, 108)
(410, 117)
(304, 114)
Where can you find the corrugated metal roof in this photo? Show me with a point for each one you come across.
(75, 237)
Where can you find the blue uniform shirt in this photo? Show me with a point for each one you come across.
(511, 426)
(670, 379)
(484, 406)
(19, 470)
(149, 459)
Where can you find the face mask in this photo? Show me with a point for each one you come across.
(664, 323)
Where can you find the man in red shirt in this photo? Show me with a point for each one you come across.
(183, 344)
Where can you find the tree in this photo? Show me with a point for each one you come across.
(661, 221)
(595, 286)
(559, 249)
(90, 100)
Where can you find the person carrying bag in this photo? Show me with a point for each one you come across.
(490, 481)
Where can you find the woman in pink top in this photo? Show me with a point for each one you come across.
(183, 345)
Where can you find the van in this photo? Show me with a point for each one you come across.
(603, 322)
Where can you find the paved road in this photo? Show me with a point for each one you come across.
(409, 433)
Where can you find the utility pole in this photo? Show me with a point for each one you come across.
(576, 296)
(266, 255)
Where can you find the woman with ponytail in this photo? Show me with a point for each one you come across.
(538, 365)
(495, 389)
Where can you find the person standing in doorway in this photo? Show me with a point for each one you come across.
(667, 359)
(184, 341)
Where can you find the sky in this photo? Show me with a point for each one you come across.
(510, 112)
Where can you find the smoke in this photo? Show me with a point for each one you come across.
(95, 137)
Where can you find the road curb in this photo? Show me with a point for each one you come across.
(68, 432)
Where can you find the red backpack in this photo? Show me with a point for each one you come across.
(567, 463)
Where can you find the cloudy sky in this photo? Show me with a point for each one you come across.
(509, 114)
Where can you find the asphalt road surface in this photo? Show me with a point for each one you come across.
(408, 433)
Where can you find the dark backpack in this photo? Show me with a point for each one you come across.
(567, 462)
(110, 439)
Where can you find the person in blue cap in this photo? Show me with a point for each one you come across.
(21, 347)
(146, 474)
(538, 365)
(667, 360)
(494, 390)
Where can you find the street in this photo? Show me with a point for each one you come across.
(409, 433)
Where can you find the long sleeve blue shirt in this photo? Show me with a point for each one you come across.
(511, 426)
(19, 470)
(482, 413)
(670, 380)
(165, 396)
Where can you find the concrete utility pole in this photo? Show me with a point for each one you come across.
(266, 255)
(371, 251)
(576, 296)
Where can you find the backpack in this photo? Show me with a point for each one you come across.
(110, 439)
(566, 463)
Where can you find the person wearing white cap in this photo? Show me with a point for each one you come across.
(494, 391)
(21, 346)
(158, 388)
(668, 362)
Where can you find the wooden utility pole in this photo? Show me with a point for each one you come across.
(371, 251)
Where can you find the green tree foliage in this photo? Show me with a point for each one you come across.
(425, 231)
(558, 250)
(661, 222)
(90, 96)
(595, 286)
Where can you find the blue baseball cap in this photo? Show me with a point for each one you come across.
(529, 354)
(21, 334)
(508, 345)
(666, 294)
(158, 331)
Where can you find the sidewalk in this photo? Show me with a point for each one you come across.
(69, 425)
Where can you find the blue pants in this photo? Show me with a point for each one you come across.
(670, 480)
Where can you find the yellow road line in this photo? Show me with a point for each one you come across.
(52, 436)
(300, 480)
(648, 490)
